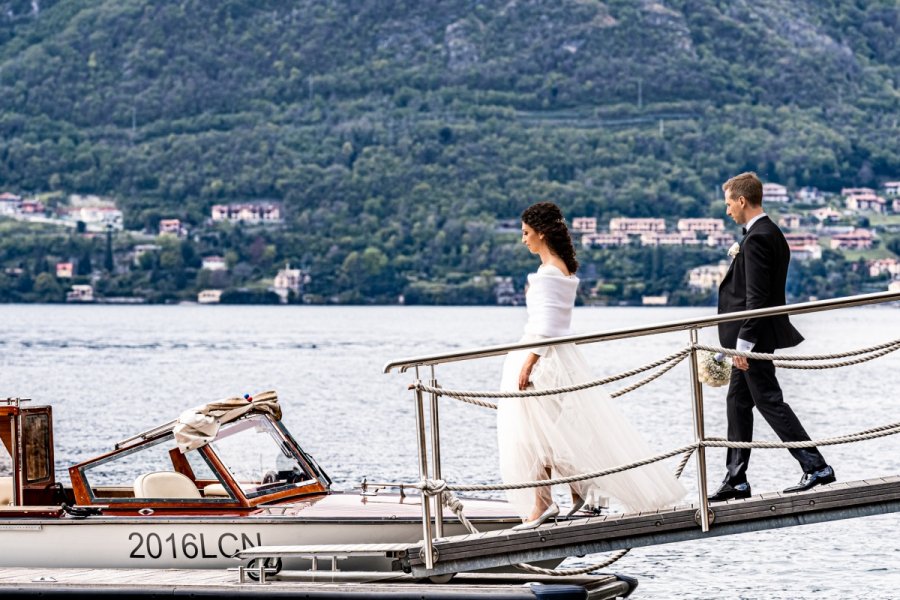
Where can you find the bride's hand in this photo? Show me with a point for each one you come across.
(525, 373)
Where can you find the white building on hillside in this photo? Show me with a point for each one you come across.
(892, 189)
(720, 240)
(669, 239)
(213, 263)
(774, 192)
(706, 226)
(584, 225)
(290, 280)
(260, 212)
(80, 293)
(604, 240)
(810, 195)
(789, 220)
(209, 296)
(879, 267)
(636, 226)
(707, 277)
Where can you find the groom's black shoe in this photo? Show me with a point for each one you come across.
(731, 492)
(811, 480)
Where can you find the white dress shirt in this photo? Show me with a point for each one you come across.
(744, 345)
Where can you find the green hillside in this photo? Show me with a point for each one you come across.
(396, 133)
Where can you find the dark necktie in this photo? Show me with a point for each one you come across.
(743, 231)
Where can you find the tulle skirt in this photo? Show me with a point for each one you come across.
(574, 433)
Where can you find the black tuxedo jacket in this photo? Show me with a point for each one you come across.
(756, 279)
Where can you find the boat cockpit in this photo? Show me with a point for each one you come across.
(231, 456)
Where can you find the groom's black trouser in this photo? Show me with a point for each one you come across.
(759, 387)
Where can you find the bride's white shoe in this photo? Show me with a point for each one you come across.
(551, 513)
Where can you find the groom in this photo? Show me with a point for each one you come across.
(756, 279)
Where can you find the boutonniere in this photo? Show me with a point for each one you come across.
(734, 250)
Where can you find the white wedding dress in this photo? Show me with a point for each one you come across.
(573, 433)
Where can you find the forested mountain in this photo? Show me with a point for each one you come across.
(397, 132)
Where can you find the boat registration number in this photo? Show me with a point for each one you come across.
(190, 545)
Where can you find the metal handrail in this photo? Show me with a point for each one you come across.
(667, 327)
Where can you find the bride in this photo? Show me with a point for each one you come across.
(573, 433)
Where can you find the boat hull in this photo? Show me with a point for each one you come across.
(190, 542)
(157, 541)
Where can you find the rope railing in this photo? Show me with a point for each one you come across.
(431, 487)
(667, 363)
(873, 352)
(434, 487)
(471, 397)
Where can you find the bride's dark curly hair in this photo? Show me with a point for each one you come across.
(546, 218)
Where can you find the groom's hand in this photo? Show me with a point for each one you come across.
(740, 363)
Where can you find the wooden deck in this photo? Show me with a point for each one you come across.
(842, 500)
(221, 583)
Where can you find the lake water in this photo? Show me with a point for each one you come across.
(110, 371)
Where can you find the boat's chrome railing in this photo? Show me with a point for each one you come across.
(692, 326)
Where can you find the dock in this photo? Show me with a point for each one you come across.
(604, 533)
(320, 585)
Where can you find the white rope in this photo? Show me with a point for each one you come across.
(460, 394)
(789, 360)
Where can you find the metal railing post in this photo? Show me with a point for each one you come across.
(436, 457)
(427, 547)
(699, 433)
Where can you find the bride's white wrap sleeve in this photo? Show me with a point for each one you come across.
(549, 304)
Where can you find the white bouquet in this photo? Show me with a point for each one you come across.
(712, 370)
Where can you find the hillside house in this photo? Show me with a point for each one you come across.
(774, 192)
(31, 207)
(884, 266)
(604, 240)
(172, 227)
(825, 214)
(707, 277)
(802, 238)
(866, 203)
(64, 270)
(810, 195)
(705, 226)
(789, 220)
(80, 293)
(891, 189)
(259, 212)
(630, 226)
(9, 203)
(213, 263)
(584, 225)
(289, 280)
(720, 240)
(209, 296)
(863, 191)
(804, 252)
(669, 239)
(859, 239)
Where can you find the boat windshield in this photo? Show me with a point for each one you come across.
(259, 457)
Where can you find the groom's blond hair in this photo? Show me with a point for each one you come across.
(747, 185)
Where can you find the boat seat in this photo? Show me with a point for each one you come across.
(6, 491)
(165, 484)
(216, 489)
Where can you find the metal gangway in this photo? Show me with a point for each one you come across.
(437, 555)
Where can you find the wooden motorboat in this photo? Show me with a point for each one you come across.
(191, 493)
